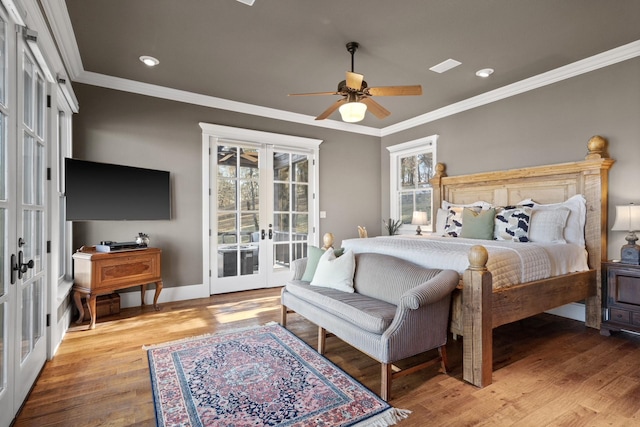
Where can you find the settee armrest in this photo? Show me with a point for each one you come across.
(298, 267)
(430, 291)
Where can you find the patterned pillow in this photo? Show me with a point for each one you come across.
(512, 223)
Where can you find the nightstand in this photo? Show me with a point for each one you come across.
(620, 297)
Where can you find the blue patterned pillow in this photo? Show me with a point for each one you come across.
(512, 223)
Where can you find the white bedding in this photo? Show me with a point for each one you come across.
(510, 263)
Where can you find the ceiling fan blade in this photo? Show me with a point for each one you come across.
(354, 80)
(395, 90)
(313, 94)
(326, 113)
(376, 109)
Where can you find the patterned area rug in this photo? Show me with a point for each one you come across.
(263, 376)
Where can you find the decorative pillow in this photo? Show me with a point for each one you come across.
(453, 224)
(478, 225)
(512, 223)
(441, 220)
(547, 225)
(313, 256)
(574, 228)
(335, 273)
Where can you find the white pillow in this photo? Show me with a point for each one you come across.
(547, 225)
(335, 273)
(574, 229)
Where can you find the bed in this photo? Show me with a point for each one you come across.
(477, 306)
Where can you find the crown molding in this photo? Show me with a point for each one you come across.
(60, 22)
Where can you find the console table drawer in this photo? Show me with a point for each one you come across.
(619, 316)
(134, 270)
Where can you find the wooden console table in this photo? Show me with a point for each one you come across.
(99, 273)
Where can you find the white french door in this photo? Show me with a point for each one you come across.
(23, 278)
(262, 210)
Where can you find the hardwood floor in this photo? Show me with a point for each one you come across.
(550, 371)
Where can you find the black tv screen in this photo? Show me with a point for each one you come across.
(102, 191)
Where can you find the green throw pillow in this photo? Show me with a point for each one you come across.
(478, 225)
(313, 256)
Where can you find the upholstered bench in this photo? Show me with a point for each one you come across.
(394, 310)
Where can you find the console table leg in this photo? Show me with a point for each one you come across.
(91, 304)
(77, 298)
(143, 291)
(157, 294)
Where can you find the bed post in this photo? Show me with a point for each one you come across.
(477, 363)
(596, 183)
(436, 188)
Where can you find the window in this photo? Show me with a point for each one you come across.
(412, 166)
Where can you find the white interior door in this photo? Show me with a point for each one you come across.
(262, 207)
(23, 162)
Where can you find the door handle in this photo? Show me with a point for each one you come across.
(270, 234)
(262, 234)
(14, 268)
(22, 267)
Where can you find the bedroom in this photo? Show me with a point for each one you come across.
(546, 125)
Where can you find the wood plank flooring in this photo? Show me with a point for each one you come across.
(549, 371)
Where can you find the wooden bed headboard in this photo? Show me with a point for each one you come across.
(544, 184)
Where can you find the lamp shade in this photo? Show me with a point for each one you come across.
(419, 218)
(352, 112)
(627, 218)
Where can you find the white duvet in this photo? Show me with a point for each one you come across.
(510, 263)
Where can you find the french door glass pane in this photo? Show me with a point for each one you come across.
(301, 168)
(27, 321)
(40, 94)
(28, 148)
(3, 158)
(3, 256)
(280, 197)
(301, 197)
(3, 349)
(3, 62)
(28, 93)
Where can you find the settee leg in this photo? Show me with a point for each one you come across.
(322, 337)
(283, 316)
(385, 381)
(444, 362)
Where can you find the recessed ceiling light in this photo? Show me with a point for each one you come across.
(445, 65)
(149, 61)
(485, 72)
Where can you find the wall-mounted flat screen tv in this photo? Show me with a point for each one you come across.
(102, 191)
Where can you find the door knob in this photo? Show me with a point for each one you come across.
(21, 266)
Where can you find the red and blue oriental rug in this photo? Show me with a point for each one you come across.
(263, 376)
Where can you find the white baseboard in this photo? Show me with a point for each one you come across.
(574, 310)
(177, 293)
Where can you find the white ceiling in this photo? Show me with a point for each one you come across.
(225, 54)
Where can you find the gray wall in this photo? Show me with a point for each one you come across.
(551, 124)
(124, 128)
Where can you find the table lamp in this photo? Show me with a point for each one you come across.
(628, 219)
(419, 218)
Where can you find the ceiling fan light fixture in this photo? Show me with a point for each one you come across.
(352, 112)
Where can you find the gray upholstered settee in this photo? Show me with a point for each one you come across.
(398, 310)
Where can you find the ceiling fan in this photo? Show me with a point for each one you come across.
(357, 95)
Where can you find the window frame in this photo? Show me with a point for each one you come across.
(396, 153)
